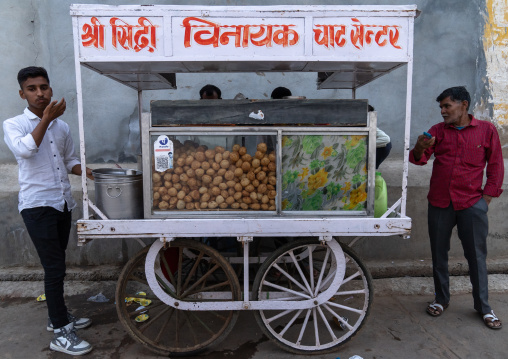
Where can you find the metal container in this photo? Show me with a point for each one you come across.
(119, 192)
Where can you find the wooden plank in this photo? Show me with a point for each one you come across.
(294, 112)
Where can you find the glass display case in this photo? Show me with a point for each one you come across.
(213, 172)
(300, 165)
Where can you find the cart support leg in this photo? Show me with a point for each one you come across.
(246, 293)
(167, 241)
(324, 239)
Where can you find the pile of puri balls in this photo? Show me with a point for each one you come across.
(216, 179)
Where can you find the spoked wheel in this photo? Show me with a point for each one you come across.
(188, 271)
(300, 271)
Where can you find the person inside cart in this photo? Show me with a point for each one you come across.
(462, 146)
(210, 92)
(383, 144)
(280, 92)
(44, 150)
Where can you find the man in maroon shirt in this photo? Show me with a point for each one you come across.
(462, 146)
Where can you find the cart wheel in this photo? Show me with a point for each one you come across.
(186, 270)
(301, 270)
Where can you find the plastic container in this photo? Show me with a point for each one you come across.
(381, 196)
(119, 192)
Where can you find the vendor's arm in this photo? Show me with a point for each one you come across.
(19, 142)
(24, 144)
(54, 110)
(495, 168)
(422, 151)
(77, 171)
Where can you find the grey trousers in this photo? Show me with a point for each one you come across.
(472, 225)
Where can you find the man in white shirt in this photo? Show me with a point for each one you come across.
(44, 150)
(383, 144)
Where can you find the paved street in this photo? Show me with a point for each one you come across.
(397, 328)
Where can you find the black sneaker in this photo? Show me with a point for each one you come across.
(79, 323)
(66, 341)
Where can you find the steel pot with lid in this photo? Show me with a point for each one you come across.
(119, 192)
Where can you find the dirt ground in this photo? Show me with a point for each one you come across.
(397, 328)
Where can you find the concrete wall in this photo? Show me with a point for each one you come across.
(456, 43)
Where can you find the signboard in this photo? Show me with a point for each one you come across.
(238, 36)
(120, 36)
(172, 35)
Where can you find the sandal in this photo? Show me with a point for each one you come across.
(435, 309)
(490, 321)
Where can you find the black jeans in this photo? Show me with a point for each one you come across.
(49, 230)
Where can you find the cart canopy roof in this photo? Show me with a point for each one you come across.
(145, 46)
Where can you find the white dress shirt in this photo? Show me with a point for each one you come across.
(382, 139)
(42, 171)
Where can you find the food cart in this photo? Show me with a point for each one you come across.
(297, 173)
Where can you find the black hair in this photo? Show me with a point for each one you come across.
(280, 92)
(31, 72)
(209, 90)
(458, 94)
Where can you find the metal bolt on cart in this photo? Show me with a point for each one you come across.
(246, 199)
